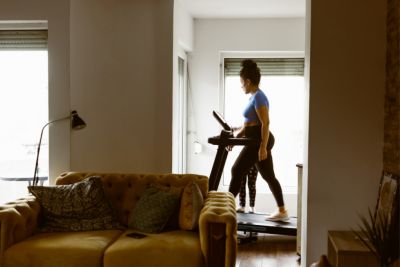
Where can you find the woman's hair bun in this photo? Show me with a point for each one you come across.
(248, 63)
(250, 71)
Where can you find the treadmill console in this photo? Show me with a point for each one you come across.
(221, 121)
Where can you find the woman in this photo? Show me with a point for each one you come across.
(256, 125)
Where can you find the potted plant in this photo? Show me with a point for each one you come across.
(380, 234)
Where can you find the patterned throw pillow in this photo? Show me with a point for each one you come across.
(191, 204)
(173, 221)
(81, 206)
(153, 210)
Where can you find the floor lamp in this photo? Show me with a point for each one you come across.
(76, 124)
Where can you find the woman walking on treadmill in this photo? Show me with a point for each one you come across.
(256, 125)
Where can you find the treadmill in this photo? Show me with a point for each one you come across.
(249, 223)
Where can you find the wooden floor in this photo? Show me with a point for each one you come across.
(268, 251)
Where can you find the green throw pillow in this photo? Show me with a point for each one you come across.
(153, 210)
(81, 206)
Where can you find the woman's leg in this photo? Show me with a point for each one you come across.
(266, 169)
(252, 177)
(242, 193)
(247, 157)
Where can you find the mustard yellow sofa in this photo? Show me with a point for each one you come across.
(214, 243)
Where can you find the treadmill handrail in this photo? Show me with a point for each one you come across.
(241, 141)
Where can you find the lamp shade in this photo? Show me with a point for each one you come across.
(76, 122)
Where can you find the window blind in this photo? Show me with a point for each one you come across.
(23, 39)
(268, 66)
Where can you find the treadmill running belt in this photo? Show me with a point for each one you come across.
(255, 222)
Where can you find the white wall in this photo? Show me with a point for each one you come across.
(121, 83)
(119, 80)
(183, 27)
(346, 52)
(57, 15)
(183, 43)
(213, 36)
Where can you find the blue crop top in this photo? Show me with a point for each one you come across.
(256, 101)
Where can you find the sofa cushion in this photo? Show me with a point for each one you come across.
(61, 249)
(77, 207)
(154, 209)
(166, 249)
(191, 204)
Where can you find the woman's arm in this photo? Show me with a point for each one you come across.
(237, 132)
(263, 115)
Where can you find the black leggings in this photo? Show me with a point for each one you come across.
(251, 179)
(249, 157)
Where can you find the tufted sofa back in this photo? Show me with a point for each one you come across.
(124, 190)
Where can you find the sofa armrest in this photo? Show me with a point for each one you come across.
(18, 220)
(218, 229)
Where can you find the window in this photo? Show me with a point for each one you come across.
(23, 108)
(283, 82)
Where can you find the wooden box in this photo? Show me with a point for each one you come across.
(346, 250)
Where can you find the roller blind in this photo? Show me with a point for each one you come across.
(23, 39)
(268, 66)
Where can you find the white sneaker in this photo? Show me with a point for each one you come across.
(278, 216)
(240, 210)
(252, 210)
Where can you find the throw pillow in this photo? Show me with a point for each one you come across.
(153, 210)
(173, 222)
(81, 206)
(191, 204)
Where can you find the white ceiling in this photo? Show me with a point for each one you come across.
(245, 8)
